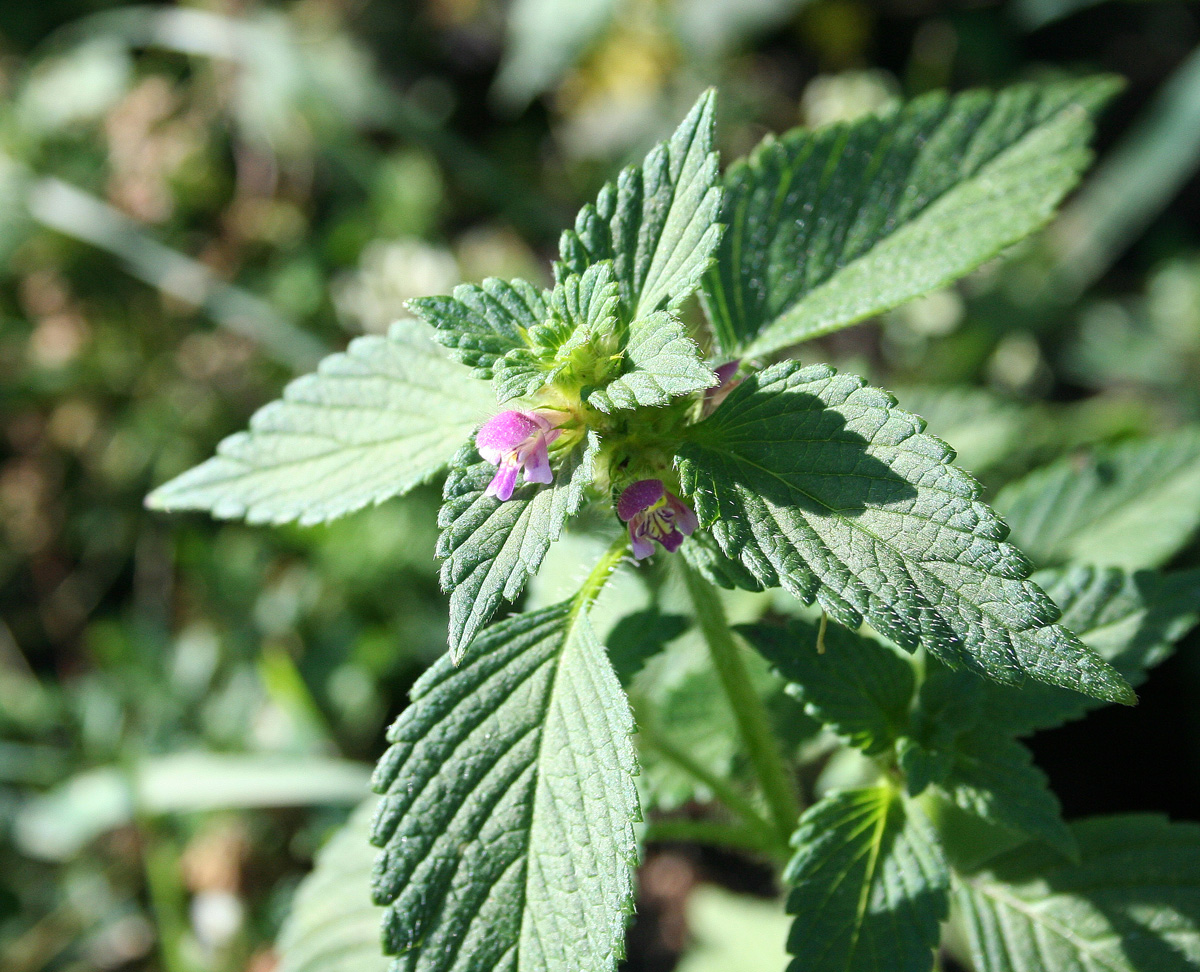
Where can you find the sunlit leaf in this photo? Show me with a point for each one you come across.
(507, 817)
(817, 483)
(829, 227)
(370, 424)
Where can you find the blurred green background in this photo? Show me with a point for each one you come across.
(199, 200)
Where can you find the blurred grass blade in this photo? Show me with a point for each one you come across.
(1133, 184)
(69, 210)
(58, 824)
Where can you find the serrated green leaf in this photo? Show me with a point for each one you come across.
(993, 777)
(870, 885)
(1130, 904)
(703, 553)
(1132, 620)
(582, 323)
(482, 323)
(640, 636)
(859, 688)
(920, 765)
(829, 227)
(1130, 505)
(658, 223)
(491, 548)
(815, 482)
(660, 362)
(369, 424)
(333, 925)
(507, 817)
(983, 428)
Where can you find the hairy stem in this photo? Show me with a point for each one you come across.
(604, 569)
(748, 709)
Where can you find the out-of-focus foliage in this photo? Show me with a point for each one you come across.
(197, 201)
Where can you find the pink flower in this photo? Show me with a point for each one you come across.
(655, 514)
(516, 441)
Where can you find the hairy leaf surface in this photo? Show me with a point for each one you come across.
(704, 554)
(822, 485)
(491, 548)
(826, 228)
(1130, 904)
(657, 223)
(482, 323)
(508, 806)
(869, 885)
(858, 688)
(660, 362)
(368, 425)
(1130, 505)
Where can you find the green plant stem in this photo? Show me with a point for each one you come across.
(604, 569)
(716, 834)
(728, 796)
(753, 723)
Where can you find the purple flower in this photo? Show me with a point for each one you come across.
(516, 441)
(655, 514)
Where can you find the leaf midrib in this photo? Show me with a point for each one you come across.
(568, 640)
(1034, 917)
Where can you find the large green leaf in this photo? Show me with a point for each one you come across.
(333, 925)
(658, 223)
(826, 228)
(370, 424)
(491, 548)
(858, 687)
(993, 777)
(704, 554)
(869, 885)
(1130, 505)
(1130, 904)
(507, 817)
(815, 482)
(1132, 620)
